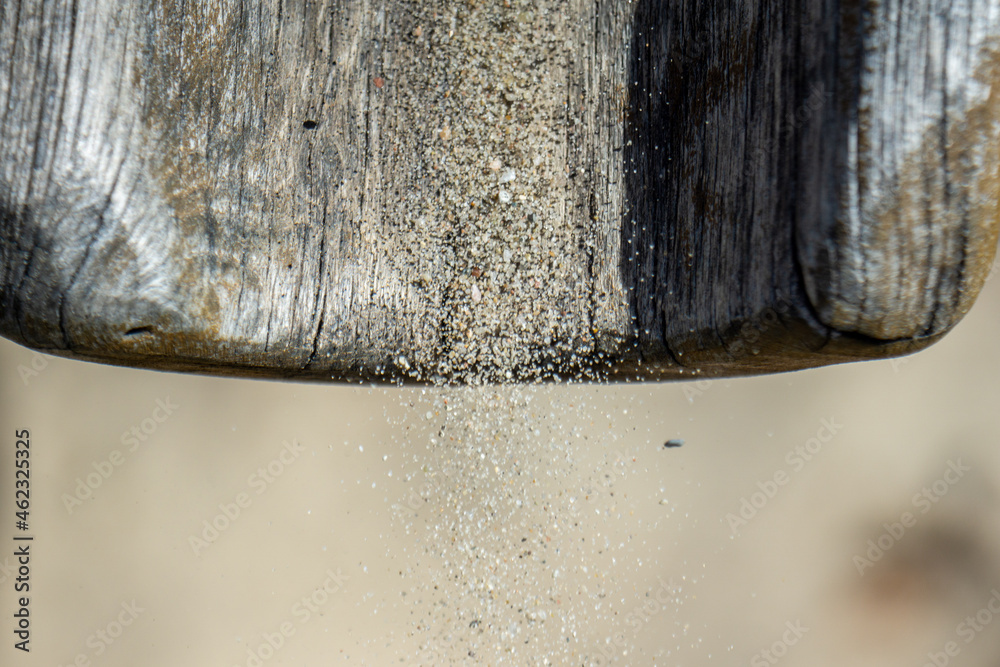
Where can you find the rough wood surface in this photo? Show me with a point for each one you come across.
(485, 191)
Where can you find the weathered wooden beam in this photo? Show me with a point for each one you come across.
(485, 191)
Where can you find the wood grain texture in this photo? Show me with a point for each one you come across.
(490, 191)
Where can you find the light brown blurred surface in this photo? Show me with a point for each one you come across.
(553, 523)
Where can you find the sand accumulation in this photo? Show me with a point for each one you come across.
(506, 498)
(485, 91)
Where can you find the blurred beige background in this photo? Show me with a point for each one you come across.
(522, 526)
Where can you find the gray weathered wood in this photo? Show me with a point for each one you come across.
(483, 191)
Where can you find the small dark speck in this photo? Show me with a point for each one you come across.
(676, 442)
(309, 124)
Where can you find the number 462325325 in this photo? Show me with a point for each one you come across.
(22, 476)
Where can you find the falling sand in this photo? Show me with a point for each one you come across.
(514, 503)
